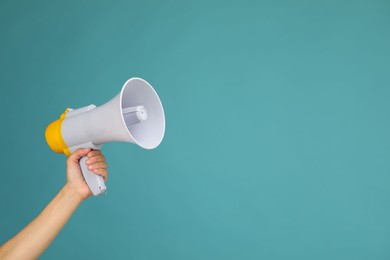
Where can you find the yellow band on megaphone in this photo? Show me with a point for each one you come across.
(54, 137)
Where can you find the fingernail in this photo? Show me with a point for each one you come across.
(90, 168)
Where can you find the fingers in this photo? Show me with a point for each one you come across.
(94, 157)
(97, 163)
(102, 172)
(78, 154)
(94, 153)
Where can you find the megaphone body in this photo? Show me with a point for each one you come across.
(135, 115)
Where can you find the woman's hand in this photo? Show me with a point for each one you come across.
(96, 163)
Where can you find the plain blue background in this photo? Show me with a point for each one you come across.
(277, 140)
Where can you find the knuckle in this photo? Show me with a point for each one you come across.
(91, 153)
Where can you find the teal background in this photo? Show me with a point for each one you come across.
(277, 140)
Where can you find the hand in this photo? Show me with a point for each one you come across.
(96, 163)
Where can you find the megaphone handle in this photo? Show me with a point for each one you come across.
(95, 182)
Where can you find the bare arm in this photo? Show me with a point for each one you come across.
(37, 236)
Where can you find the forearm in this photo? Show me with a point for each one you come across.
(37, 236)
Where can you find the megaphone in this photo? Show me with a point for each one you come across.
(135, 115)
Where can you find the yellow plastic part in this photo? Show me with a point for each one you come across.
(54, 137)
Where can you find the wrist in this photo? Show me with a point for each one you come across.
(72, 194)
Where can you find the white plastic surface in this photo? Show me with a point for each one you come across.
(74, 112)
(106, 123)
(95, 182)
(149, 133)
(134, 115)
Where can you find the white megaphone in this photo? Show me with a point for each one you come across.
(135, 115)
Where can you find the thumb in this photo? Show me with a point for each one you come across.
(78, 154)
